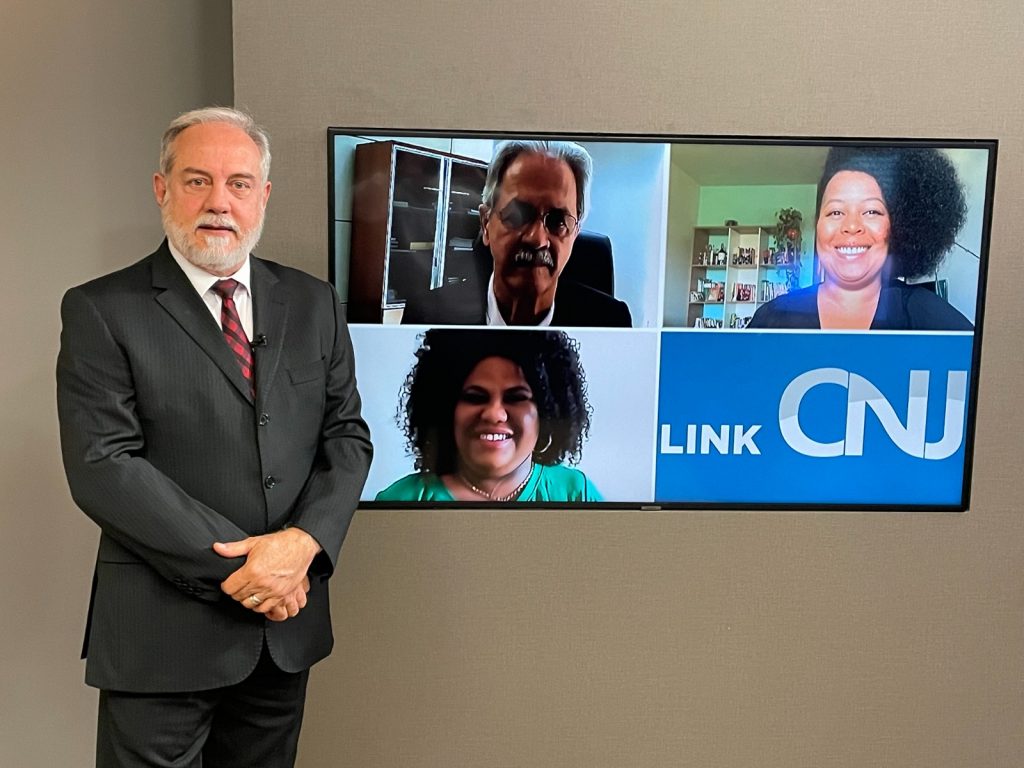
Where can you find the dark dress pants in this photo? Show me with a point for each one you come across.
(254, 724)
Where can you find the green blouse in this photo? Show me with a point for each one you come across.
(555, 483)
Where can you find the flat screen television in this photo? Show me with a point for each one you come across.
(663, 322)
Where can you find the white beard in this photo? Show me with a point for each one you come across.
(214, 257)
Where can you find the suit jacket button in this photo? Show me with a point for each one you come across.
(269, 481)
(264, 419)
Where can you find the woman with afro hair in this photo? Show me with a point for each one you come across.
(491, 415)
(883, 213)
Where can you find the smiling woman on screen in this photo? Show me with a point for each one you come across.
(883, 213)
(491, 415)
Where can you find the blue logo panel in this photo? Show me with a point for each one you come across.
(812, 418)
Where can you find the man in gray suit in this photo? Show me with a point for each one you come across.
(210, 425)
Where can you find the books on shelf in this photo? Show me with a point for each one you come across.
(744, 257)
(421, 245)
(739, 321)
(771, 289)
(707, 322)
(779, 258)
(743, 291)
(709, 291)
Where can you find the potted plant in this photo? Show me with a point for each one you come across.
(788, 242)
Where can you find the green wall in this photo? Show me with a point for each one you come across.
(758, 206)
(754, 205)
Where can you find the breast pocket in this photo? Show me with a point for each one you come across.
(306, 372)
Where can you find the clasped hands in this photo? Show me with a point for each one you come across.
(275, 572)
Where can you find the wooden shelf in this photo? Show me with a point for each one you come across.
(752, 241)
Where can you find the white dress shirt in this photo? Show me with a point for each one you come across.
(494, 314)
(203, 282)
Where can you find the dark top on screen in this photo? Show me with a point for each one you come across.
(465, 303)
(901, 307)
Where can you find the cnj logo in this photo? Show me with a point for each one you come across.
(861, 395)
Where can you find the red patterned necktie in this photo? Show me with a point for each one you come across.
(234, 333)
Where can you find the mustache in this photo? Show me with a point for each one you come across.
(528, 258)
(220, 222)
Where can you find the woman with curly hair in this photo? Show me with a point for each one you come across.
(883, 213)
(491, 415)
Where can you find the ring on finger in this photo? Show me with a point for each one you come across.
(254, 600)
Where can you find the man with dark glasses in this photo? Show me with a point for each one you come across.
(534, 197)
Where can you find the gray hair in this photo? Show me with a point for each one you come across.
(235, 117)
(575, 156)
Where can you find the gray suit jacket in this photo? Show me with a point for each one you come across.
(164, 448)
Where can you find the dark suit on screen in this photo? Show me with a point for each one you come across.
(166, 451)
(465, 303)
(583, 297)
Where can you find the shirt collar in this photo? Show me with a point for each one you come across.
(494, 314)
(202, 280)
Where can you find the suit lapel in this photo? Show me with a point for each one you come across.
(270, 321)
(177, 296)
(569, 308)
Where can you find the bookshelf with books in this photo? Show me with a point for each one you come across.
(778, 271)
(733, 271)
(414, 217)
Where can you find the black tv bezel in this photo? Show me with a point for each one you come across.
(991, 145)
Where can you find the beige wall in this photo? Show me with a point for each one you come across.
(610, 639)
(521, 638)
(85, 91)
